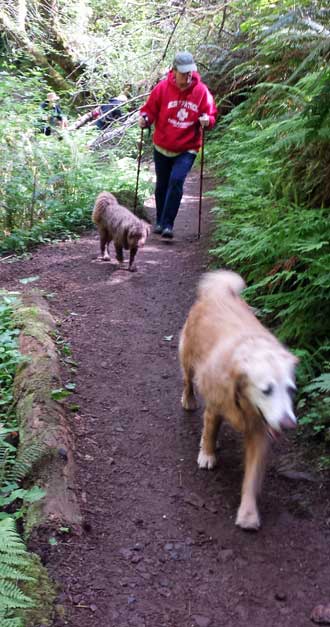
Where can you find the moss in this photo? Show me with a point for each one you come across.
(35, 321)
(24, 406)
(39, 332)
(34, 517)
(43, 593)
(38, 377)
(23, 313)
(42, 423)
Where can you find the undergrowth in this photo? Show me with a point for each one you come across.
(15, 562)
(49, 184)
(272, 224)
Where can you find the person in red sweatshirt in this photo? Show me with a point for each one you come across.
(178, 106)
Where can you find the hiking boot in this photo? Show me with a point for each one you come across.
(158, 229)
(167, 233)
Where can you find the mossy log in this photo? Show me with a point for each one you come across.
(42, 421)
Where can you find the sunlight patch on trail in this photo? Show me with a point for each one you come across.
(120, 278)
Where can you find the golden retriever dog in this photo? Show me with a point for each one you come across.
(118, 224)
(243, 373)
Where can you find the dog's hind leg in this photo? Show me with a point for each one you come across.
(104, 245)
(206, 457)
(256, 447)
(188, 399)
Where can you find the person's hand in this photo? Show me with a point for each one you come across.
(204, 120)
(143, 121)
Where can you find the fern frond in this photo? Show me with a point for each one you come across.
(14, 564)
(25, 461)
(10, 622)
(8, 572)
(10, 541)
(11, 596)
(320, 384)
(16, 560)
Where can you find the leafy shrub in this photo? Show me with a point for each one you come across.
(14, 568)
(49, 186)
(272, 214)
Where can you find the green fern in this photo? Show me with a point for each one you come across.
(272, 213)
(25, 461)
(320, 384)
(12, 472)
(14, 565)
(10, 622)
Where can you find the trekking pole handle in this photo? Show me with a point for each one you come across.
(146, 119)
(140, 145)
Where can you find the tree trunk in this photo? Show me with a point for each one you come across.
(59, 52)
(21, 14)
(22, 40)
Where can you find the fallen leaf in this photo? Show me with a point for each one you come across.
(29, 279)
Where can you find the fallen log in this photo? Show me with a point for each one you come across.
(42, 420)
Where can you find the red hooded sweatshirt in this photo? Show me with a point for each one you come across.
(175, 113)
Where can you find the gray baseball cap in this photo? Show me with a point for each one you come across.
(184, 62)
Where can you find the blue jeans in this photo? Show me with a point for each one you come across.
(171, 173)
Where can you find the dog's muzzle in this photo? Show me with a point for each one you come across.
(286, 422)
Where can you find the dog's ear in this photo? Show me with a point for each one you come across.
(135, 231)
(125, 238)
(251, 415)
(146, 227)
(239, 390)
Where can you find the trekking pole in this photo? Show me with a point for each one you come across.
(138, 171)
(201, 186)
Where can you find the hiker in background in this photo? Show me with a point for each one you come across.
(52, 118)
(179, 106)
(104, 114)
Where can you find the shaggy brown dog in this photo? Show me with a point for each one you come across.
(117, 223)
(244, 375)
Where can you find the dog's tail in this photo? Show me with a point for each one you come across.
(103, 201)
(217, 284)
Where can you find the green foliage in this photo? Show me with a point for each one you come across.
(316, 412)
(13, 468)
(15, 562)
(14, 568)
(49, 186)
(9, 354)
(127, 46)
(272, 218)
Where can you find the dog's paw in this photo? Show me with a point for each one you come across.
(248, 519)
(206, 461)
(132, 268)
(188, 402)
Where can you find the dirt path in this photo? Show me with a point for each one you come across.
(159, 546)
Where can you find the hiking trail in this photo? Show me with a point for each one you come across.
(159, 547)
